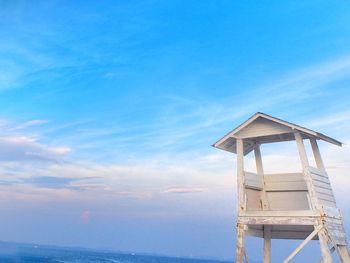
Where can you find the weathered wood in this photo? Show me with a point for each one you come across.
(343, 253)
(288, 201)
(284, 206)
(318, 171)
(272, 186)
(331, 212)
(305, 165)
(317, 155)
(262, 127)
(253, 181)
(240, 176)
(253, 200)
(260, 172)
(278, 220)
(297, 250)
(307, 133)
(239, 244)
(326, 254)
(331, 251)
(267, 244)
(286, 213)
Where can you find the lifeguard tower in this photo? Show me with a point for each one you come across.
(298, 205)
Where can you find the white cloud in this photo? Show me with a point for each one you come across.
(22, 148)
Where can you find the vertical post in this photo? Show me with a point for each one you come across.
(240, 175)
(317, 154)
(265, 206)
(239, 244)
(240, 200)
(267, 244)
(326, 253)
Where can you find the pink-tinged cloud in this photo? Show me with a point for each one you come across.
(85, 217)
(184, 190)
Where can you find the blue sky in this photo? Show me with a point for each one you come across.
(108, 110)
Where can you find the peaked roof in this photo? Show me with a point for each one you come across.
(262, 128)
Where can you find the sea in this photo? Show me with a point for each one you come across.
(28, 253)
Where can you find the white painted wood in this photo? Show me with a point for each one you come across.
(260, 172)
(324, 191)
(333, 212)
(286, 213)
(285, 177)
(253, 181)
(267, 244)
(305, 165)
(325, 197)
(283, 206)
(299, 248)
(239, 244)
(285, 186)
(240, 176)
(285, 182)
(288, 201)
(253, 200)
(308, 133)
(331, 251)
(336, 232)
(322, 184)
(317, 155)
(318, 171)
(278, 220)
(262, 127)
(326, 254)
(323, 202)
(343, 253)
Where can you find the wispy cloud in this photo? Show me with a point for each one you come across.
(28, 124)
(21, 148)
(184, 190)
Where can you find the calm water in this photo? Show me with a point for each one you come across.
(16, 253)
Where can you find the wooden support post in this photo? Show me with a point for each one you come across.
(331, 251)
(258, 160)
(317, 155)
(240, 176)
(343, 254)
(301, 149)
(267, 244)
(240, 244)
(240, 200)
(260, 172)
(305, 165)
(300, 247)
(326, 253)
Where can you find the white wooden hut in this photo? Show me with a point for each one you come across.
(298, 205)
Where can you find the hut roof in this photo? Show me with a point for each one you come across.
(262, 128)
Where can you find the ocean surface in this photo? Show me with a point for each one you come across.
(18, 253)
